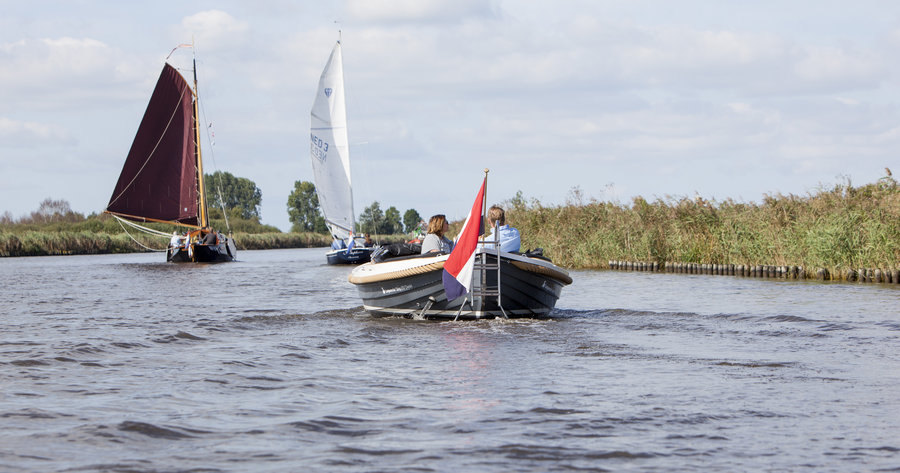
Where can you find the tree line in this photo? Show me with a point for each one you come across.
(240, 199)
(305, 214)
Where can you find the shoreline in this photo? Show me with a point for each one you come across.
(785, 272)
(65, 243)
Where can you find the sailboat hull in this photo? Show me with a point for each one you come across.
(199, 253)
(352, 256)
(413, 287)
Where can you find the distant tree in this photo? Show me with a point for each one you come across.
(52, 210)
(303, 209)
(371, 219)
(235, 192)
(391, 224)
(411, 219)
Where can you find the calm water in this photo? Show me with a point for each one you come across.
(122, 363)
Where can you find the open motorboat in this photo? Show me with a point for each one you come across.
(476, 280)
(503, 285)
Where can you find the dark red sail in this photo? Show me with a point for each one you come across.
(159, 178)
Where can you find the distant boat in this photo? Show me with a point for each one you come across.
(330, 155)
(162, 179)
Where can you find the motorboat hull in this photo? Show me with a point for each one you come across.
(413, 287)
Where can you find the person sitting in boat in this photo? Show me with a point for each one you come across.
(369, 243)
(210, 238)
(176, 240)
(338, 244)
(509, 238)
(435, 241)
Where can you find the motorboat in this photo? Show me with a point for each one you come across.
(507, 285)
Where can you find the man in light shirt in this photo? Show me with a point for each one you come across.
(510, 240)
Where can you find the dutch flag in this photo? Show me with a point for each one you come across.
(457, 275)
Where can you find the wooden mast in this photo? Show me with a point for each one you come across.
(204, 217)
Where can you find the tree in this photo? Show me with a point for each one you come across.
(371, 219)
(303, 209)
(55, 211)
(411, 219)
(391, 224)
(235, 192)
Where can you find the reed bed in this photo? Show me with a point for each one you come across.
(268, 241)
(837, 229)
(44, 243)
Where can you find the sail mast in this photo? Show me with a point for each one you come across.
(201, 187)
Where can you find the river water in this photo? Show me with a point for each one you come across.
(121, 363)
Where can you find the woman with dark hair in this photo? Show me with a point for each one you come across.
(435, 241)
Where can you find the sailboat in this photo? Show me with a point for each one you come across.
(330, 155)
(162, 178)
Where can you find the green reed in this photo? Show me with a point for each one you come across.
(838, 228)
(43, 243)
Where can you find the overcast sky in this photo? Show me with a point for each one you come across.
(722, 99)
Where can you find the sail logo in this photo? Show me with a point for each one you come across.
(328, 91)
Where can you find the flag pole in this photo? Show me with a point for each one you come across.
(484, 202)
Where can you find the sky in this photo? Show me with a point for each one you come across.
(564, 101)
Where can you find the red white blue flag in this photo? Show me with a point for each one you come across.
(457, 275)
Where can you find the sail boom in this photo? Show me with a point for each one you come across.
(136, 218)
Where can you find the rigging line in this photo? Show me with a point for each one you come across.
(141, 227)
(163, 134)
(133, 239)
(212, 153)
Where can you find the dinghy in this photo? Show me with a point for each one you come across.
(330, 154)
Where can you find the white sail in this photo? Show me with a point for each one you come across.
(330, 150)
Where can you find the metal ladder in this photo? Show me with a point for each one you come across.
(483, 267)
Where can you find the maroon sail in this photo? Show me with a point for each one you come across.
(159, 179)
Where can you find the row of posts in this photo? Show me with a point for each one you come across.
(877, 275)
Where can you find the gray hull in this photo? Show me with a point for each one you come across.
(528, 288)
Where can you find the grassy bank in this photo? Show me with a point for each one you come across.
(42, 243)
(838, 228)
(101, 233)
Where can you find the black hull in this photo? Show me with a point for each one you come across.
(199, 253)
(353, 256)
(527, 289)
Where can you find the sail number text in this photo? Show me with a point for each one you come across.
(318, 147)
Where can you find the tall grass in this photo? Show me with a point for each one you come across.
(837, 228)
(43, 243)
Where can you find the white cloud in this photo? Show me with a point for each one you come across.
(214, 30)
(417, 10)
(56, 73)
(616, 97)
(26, 134)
